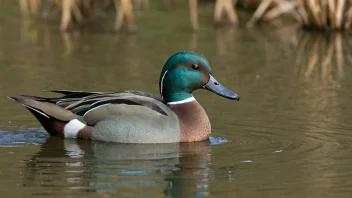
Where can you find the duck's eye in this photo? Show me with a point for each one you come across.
(195, 66)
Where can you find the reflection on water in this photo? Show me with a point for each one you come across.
(124, 169)
(289, 136)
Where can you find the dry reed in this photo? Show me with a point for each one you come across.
(222, 7)
(312, 14)
(79, 11)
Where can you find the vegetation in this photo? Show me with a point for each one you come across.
(311, 14)
(317, 14)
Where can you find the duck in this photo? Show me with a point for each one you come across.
(135, 116)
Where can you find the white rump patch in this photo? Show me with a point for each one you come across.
(72, 128)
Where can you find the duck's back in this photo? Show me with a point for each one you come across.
(126, 117)
(134, 123)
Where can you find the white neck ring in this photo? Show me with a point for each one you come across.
(182, 101)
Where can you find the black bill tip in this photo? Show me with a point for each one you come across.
(214, 86)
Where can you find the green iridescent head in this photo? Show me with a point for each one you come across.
(185, 72)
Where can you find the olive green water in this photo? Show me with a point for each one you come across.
(289, 135)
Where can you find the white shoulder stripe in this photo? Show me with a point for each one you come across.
(161, 84)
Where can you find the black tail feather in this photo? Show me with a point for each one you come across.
(76, 93)
(45, 120)
(41, 99)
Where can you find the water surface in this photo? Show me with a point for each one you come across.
(289, 136)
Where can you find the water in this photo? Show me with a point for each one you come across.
(289, 136)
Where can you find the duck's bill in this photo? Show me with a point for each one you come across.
(214, 86)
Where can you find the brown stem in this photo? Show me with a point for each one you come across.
(230, 11)
(339, 12)
(263, 6)
(193, 10)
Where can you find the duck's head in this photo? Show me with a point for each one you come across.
(185, 72)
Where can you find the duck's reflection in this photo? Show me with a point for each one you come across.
(193, 176)
(177, 170)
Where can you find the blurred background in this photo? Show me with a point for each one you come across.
(289, 60)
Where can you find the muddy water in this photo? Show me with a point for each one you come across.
(289, 136)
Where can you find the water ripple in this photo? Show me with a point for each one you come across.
(23, 136)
